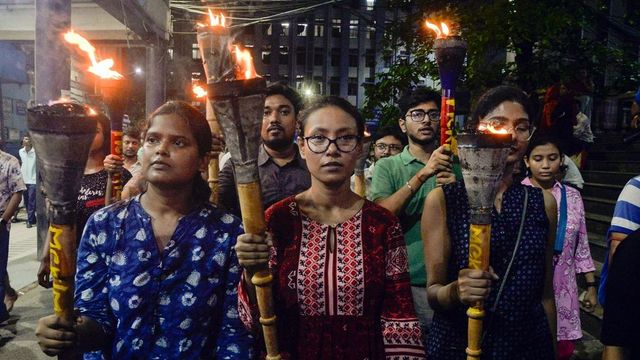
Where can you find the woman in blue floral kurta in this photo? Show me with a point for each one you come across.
(157, 274)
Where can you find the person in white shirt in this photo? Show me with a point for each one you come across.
(28, 169)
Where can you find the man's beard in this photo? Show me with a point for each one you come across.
(130, 155)
(422, 142)
(278, 144)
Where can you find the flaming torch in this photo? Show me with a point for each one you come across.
(62, 134)
(450, 54)
(482, 159)
(236, 95)
(103, 70)
(214, 41)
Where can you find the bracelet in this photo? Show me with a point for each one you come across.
(591, 284)
(411, 189)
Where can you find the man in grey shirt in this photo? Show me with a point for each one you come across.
(282, 171)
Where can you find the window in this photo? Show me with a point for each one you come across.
(195, 51)
(369, 58)
(285, 29)
(335, 28)
(284, 55)
(301, 29)
(352, 86)
(318, 57)
(266, 57)
(335, 57)
(353, 57)
(318, 30)
(301, 56)
(334, 86)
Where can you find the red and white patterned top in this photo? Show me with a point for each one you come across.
(350, 303)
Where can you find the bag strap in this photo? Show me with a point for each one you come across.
(513, 256)
(562, 221)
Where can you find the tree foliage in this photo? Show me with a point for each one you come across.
(551, 40)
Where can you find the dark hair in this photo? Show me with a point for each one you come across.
(416, 97)
(199, 127)
(288, 92)
(540, 139)
(104, 121)
(390, 130)
(493, 97)
(133, 132)
(326, 101)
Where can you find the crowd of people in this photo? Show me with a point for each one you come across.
(165, 274)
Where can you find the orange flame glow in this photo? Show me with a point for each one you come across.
(245, 69)
(101, 68)
(441, 32)
(491, 129)
(92, 112)
(215, 20)
(199, 91)
(61, 100)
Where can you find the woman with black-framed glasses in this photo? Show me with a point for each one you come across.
(339, 261)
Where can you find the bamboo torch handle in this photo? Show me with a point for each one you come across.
(214, 164)
(63, 268)
(480, 235)
(116, 177)
(253, 221)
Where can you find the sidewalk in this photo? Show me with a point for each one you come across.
(17, 339)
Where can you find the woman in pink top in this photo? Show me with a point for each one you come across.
(572, 255)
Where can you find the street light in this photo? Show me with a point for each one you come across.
(138, 70)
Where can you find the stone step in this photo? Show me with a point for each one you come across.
(597, 205)
(598, 246)
(607, 177)
(606, 191)
(596, 223)
(617, 155)
(614, 165)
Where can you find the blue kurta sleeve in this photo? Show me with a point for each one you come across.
(234, 340)
(91, 295)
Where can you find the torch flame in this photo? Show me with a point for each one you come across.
(92, 112)
(215, 20)
(199, 91)
(245, 69)
(101, 68)
(441, 32)
(491, 128)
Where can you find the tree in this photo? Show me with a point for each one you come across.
(546, 36)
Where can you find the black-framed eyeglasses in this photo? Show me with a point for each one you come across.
(391, 147)
(418, 115)
(320, 143)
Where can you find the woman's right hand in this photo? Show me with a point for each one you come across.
(474, 285)
(253, 250)
(55, 335)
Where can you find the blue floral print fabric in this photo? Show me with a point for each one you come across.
(178, 303)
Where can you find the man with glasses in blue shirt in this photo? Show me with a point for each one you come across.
(401, 183)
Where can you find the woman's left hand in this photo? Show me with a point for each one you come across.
(590, 299)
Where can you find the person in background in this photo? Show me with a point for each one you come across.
(401, 183)
(157, 275)
(570, 174)
(520, 314)
(28, 169)
(387, 141)
(11, 188)
(620, 331)
(341, 283)
(543, 160)
(130, 146)
(282, 171)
